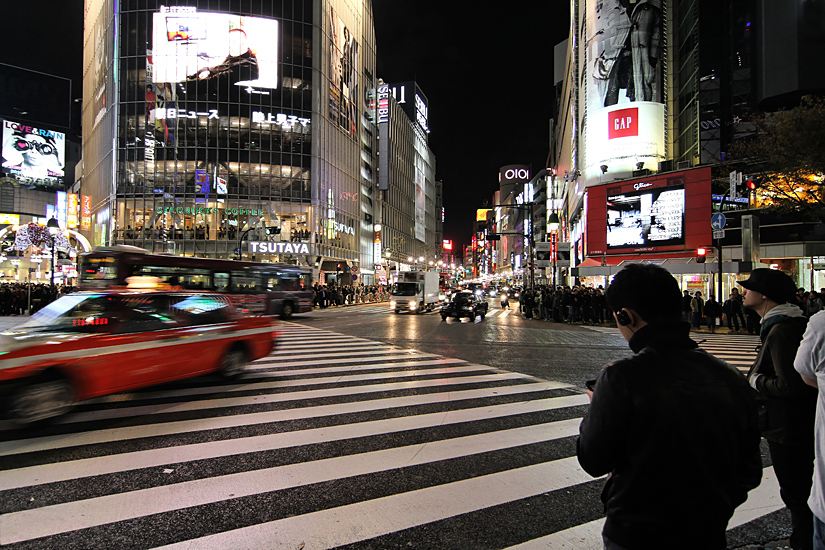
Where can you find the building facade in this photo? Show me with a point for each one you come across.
(410, 201)
(233, 129)
(650, 95)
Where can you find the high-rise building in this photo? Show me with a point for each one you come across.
(650, 96)
(410, 196)
(207, 125)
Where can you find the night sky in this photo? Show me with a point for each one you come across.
(487, 73)
(488, 77)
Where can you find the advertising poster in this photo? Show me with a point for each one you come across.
(189, 46)
(33, 156)
(61, 209)
(420, 205)
(71, 211)
(646, 218)
(544, 254)
(85, 212)
(623, 79)
(201, 181)
(343, 75)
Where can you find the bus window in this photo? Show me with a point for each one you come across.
(273, 283)
(221, 281)
(98, 268)
(245, 281)
(289, 282)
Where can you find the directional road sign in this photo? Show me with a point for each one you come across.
(718, 221)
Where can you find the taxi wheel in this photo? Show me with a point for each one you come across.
(41, 400)
(287, 310)
(233, 364)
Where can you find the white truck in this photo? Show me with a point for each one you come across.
(415, 291)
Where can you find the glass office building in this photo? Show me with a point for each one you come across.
(212, 124)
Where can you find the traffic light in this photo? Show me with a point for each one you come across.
(701, 255)
(273, 230)
(750, 183)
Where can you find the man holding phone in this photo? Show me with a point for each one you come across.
(676, 428)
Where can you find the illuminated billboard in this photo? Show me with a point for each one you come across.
(624, 88)
(188, 45)
(652, 217)
(343, 75)
(33, 156)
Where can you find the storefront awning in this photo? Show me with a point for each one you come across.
(676, 263)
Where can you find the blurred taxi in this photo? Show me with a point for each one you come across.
(89, 344)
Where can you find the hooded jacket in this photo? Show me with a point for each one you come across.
(677, 430)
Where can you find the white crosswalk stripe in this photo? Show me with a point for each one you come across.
(738, 350)
(329, 441)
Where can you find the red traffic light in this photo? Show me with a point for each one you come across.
(750, 184)
(701, 254)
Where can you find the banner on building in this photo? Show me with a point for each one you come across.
(85, 212)
(624, 80)
(72, 211)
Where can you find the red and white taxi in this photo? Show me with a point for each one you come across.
(90, 344)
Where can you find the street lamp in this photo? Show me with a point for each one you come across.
(54, 229)
(553, 226)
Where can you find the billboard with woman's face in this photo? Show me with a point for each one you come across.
(33, 156)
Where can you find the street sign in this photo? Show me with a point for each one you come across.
(354, 268)
(719, 234)
(717, 221)
(354, 277)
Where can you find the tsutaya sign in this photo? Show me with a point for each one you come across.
(278, 247)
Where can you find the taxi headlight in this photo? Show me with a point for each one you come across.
(413, 304)
(393, 304)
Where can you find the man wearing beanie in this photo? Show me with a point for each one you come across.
(787, 404)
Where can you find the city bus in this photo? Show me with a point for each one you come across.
(259, 288)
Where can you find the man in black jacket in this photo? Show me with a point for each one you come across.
(675, 428)
(787, 404)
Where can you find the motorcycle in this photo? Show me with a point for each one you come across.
(505, 301)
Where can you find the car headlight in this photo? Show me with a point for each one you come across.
(413, 304)
(478, 292)
(393, 304)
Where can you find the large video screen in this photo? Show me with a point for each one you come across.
(202, 46)
(33, 156)
(654, 217)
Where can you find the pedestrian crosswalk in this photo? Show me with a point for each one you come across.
(330, 441)
(738, 350)
(372, 309)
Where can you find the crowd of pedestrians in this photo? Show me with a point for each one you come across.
(14, 297)
(331, 295)
(565, 304)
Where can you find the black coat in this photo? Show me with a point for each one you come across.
(677, 429)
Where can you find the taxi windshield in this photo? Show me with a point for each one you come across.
(71, 310)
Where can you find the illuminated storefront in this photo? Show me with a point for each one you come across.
(230, 128)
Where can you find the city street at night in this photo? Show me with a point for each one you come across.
(444, 434)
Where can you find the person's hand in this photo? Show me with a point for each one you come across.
(590, 395)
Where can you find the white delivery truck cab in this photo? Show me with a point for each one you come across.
(415, 291)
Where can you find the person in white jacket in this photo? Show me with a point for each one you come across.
(810, 364)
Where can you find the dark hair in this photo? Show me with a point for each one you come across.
(649, 290)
